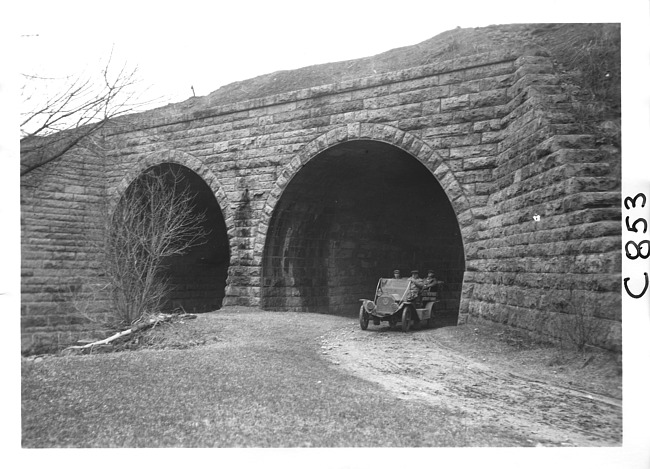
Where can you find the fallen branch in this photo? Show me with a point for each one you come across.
(137, 327)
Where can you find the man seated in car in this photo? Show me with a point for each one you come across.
(431, 281)
(415, 286)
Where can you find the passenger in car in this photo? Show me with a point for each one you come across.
(415, 286)
(431, 280)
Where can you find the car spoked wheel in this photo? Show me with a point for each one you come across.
(406, 319)
(363, 319)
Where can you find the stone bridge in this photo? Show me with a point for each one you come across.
(477, 168)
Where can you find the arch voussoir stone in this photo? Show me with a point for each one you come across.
(434, 161)
(383, 133)
(460, 203)
(338, 135)
(354, 130)
(366, 130)
(424, 153)
(398, 137)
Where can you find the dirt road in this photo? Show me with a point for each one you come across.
(492, 392)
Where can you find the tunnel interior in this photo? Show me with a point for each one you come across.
(352, 215)
(197, 278)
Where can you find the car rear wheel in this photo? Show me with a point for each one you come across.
(406, 318)
(363, 319)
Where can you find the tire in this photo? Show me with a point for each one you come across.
(363, 319)
(430, 322)
(406, 318)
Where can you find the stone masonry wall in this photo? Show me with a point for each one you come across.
(60, 203)
(496, 131)
(548, 276)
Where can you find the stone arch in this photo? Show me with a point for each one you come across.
(183, 159)
(382, 133)
(200, 276)
(313, 271)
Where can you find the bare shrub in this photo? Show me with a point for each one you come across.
(88, 299)
(155, 219)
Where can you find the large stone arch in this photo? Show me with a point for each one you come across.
(200, 275)
(382, 133)
(303, 278)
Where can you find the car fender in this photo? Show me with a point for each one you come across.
(426, 312)
(368, 305)
(402, 305)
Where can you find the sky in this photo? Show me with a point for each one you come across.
(205, 45)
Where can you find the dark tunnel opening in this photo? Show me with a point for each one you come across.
(197, 278)
(353, 214)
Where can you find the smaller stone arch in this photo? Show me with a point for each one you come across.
(182, 159)
(200, 276)
(382, 133)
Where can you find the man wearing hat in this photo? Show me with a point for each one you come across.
(431, 280)
(415, 286)
(397, 274)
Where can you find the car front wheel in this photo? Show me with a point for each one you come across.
(406, 318)
(363, 319)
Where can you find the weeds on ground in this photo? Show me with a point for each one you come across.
(516, 339)
(595, 54)
(580, 325)
(592, 58)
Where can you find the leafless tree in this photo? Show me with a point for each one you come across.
(54, 123)
(156, 219)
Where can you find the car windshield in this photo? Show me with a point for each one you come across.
(393, 286)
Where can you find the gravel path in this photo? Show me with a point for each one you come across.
(418, 366)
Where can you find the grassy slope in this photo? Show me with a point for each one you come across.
(244, 387)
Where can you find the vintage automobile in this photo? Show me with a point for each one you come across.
(390, 305)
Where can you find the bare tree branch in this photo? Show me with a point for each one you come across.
(79, 108)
